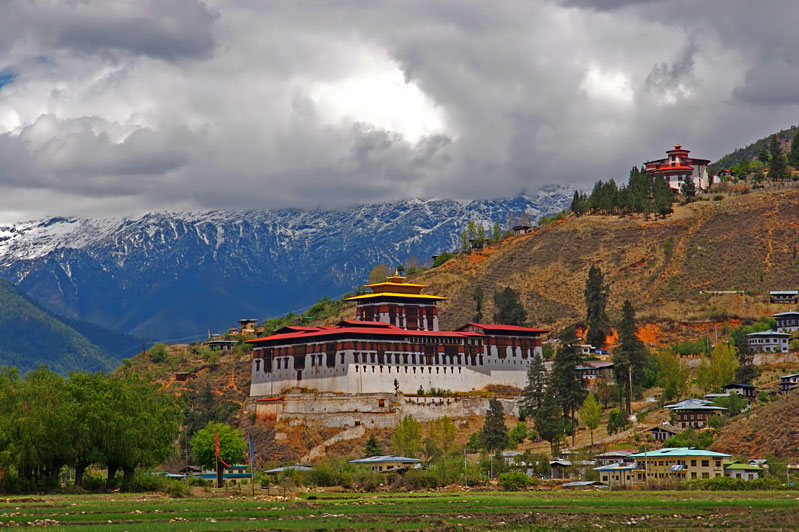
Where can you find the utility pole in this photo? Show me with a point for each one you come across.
(465, 472)
(629, 391)
(646, 466)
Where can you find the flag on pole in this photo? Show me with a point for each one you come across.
(252, 450)
(216, 438)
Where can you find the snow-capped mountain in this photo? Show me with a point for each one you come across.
(172, 275)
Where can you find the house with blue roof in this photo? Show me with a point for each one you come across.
(671, 464)
(388, 463)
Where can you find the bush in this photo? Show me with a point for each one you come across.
(738, 484)
(418, 479)
(514, 481)
(147, 481)
(158, 353)
(93, 483)
(718, 197)
(441, 259)
(14, 484)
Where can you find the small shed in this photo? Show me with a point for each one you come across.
(521, 229)
(247, 325)
(744, 390)
(663, 432)
(388, 463)
(220, 345)
(560, 468)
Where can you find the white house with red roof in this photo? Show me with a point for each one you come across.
(678, 167)
(405, 351)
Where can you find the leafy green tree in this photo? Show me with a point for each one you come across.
(407, 440)
(719, 369)
(674, 376)
(372, 448)
(158, 353)
(464, 241)
(591, 414)
(778, 166)
(630, 355)
(378, 273)
(509, 308)
(734, 403)
(549, 421)
(144, 425)
(442, 434)
(617, 421)
(202, 406)
(232, 445)
(533, 394)
(567, 384)
(478, 297)
(494, 433)
(690, 438)
(596, 298)
(517, 434)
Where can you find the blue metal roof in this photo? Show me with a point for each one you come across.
(668, 452)
(289, 468)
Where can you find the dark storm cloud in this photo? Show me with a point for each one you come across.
(242, 103)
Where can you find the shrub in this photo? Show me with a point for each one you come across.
(718, 197)
(14, 484)
(441, 259)
(418, 479)
(93, 483)
(158, 353)
(514, 481)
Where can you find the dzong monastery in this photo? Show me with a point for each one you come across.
(394, 344)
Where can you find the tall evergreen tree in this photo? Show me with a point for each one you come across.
(778, 168)
(478, 297)
(372, 447)
(509, 308)
(534, 393)
(688, 189)
(662, 197)
(549, 421)
(746, 371)
(497, 233)
(596, 298)
(630, 356)
(567, 384)
(794, 153)
(762, 156)
(494, 434)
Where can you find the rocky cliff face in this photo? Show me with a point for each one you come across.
(172, 276)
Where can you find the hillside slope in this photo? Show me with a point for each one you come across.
(31, 337)
(750, 152)
(771, 429)
(665, 267)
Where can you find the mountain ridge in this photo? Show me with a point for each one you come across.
(171, 276)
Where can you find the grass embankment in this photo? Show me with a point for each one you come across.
(678, 510)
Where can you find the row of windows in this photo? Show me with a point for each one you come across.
(439, 370)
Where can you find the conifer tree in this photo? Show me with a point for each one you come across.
(746, 371)
(478, 297)
(777, 169)
(596, 297)
(794, 153)
(549, 421)
(497, 233)
(630, 355)
(762, 156)
(688, 189)
(567, 384)
(494, 434)
(509, 308)
(533, 394)
(372, 447)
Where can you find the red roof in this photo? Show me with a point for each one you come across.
(389, 330)
(677, 167)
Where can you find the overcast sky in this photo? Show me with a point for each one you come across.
(117, 107)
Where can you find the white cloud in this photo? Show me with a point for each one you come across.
(141, 104)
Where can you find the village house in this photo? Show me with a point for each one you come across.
(614, 457)
(789, 382)
(693, 413)
(677, 167)
(220, 345)
(521, 229)
(621, 475)
(769, 342)
(394, 343)
(388, 463)
(742, 470)
(248, 325)
(663, 432)
(596, 368)
(787, 321)
(560, 468)
(585, 349)
(681, 463)
(744, 390)
(790, 297)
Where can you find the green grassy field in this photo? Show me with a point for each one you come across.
(549, 510)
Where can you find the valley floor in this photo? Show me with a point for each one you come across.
(462, 511)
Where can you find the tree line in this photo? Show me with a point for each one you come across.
(48, 422)
(643, 194)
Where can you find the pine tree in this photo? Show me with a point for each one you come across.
(372, 447)
(762, 156)
(688, 189)
(777, 169)
(497, 233)
(746, 371)
(630, 355)
(494, 434)
(478, 297)
(596, 297)
(549, 421)
(509, 308)
(662, 197)
(794, 153)
(533, 394)
(567, 384)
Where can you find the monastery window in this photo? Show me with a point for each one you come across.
(341, 358)
(414, 369)
(372, 357)
(257, 365)
(355, 357)
(356, 369)
(459, 370)
(436, 369)
(481, 360)
(404, 358)
(331, 360)
(459, 360)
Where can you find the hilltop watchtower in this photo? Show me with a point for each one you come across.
(399, 303)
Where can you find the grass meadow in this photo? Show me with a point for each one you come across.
(535, 510)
